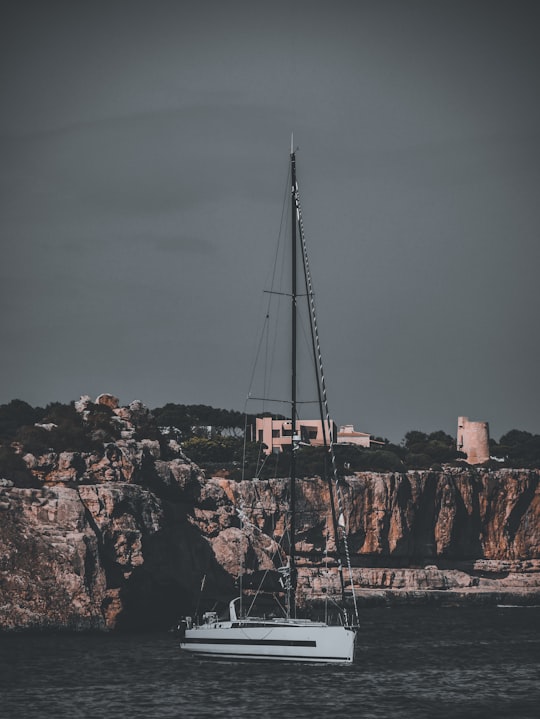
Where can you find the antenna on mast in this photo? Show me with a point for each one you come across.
(292, 143)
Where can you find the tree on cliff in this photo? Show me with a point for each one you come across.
(14, 469)
(187, 418)
(71, 433)
(425, 450)
(17, 414)
(518, 449)
(218, 449)
(67, 430)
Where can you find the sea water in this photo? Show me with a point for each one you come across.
(411, 662)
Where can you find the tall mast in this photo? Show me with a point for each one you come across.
(292, 598)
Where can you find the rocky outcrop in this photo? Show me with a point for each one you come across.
(99, 557)
(136, 536)
(109, 539)
(414, 517)
(50, 573)
(454, 535)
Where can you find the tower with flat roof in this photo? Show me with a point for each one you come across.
(473, 440)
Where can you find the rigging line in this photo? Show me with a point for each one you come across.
(265, 367)
(265, 331)
(318, 373)
(313, 332)
(277, 284)
(244, 452)
(257, 353)
(310, 340)
(284, 207)
(285, 294)
(283, 401)
(276, 548)
(273, 331)
(277, 553)
(270, 399)
(270, 346)
(244, 446)
(265, 334)
(260, 465)
(276, 464)
(339, 492)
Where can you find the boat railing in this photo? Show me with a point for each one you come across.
(210, 618)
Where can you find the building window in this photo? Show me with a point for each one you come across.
(260, 435)
(275, 433)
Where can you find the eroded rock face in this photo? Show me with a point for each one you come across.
(467, 532)
(128, 538)
(109, 540)
(455, 514)
(50, 572)
(98, 557)
(451, 514)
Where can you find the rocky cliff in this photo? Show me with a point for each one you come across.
(453, 535)
(135, 536)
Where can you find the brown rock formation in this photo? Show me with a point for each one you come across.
(124, 538)
(108, 400)
(412, 516)
(109, 540)
(97, 557)
(458, 532)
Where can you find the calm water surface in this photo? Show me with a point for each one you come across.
(412, 662)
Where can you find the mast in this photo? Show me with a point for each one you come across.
(292, 596)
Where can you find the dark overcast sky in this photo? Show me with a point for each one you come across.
(144, 150)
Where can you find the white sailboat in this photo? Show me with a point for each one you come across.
(288, 638)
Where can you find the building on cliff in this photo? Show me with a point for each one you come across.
(277, 433)
(348, 435)
(473, 440)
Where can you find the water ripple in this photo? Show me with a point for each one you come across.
(412, 662)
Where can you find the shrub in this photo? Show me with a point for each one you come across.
(219, 449)
(13, 467)
(35, 440)
(16, 414)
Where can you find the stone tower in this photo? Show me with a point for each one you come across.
(473, 440)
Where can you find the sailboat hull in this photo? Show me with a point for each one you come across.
(287, 641)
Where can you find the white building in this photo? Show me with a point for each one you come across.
(348, 435)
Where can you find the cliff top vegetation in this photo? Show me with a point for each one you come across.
(213, 438)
